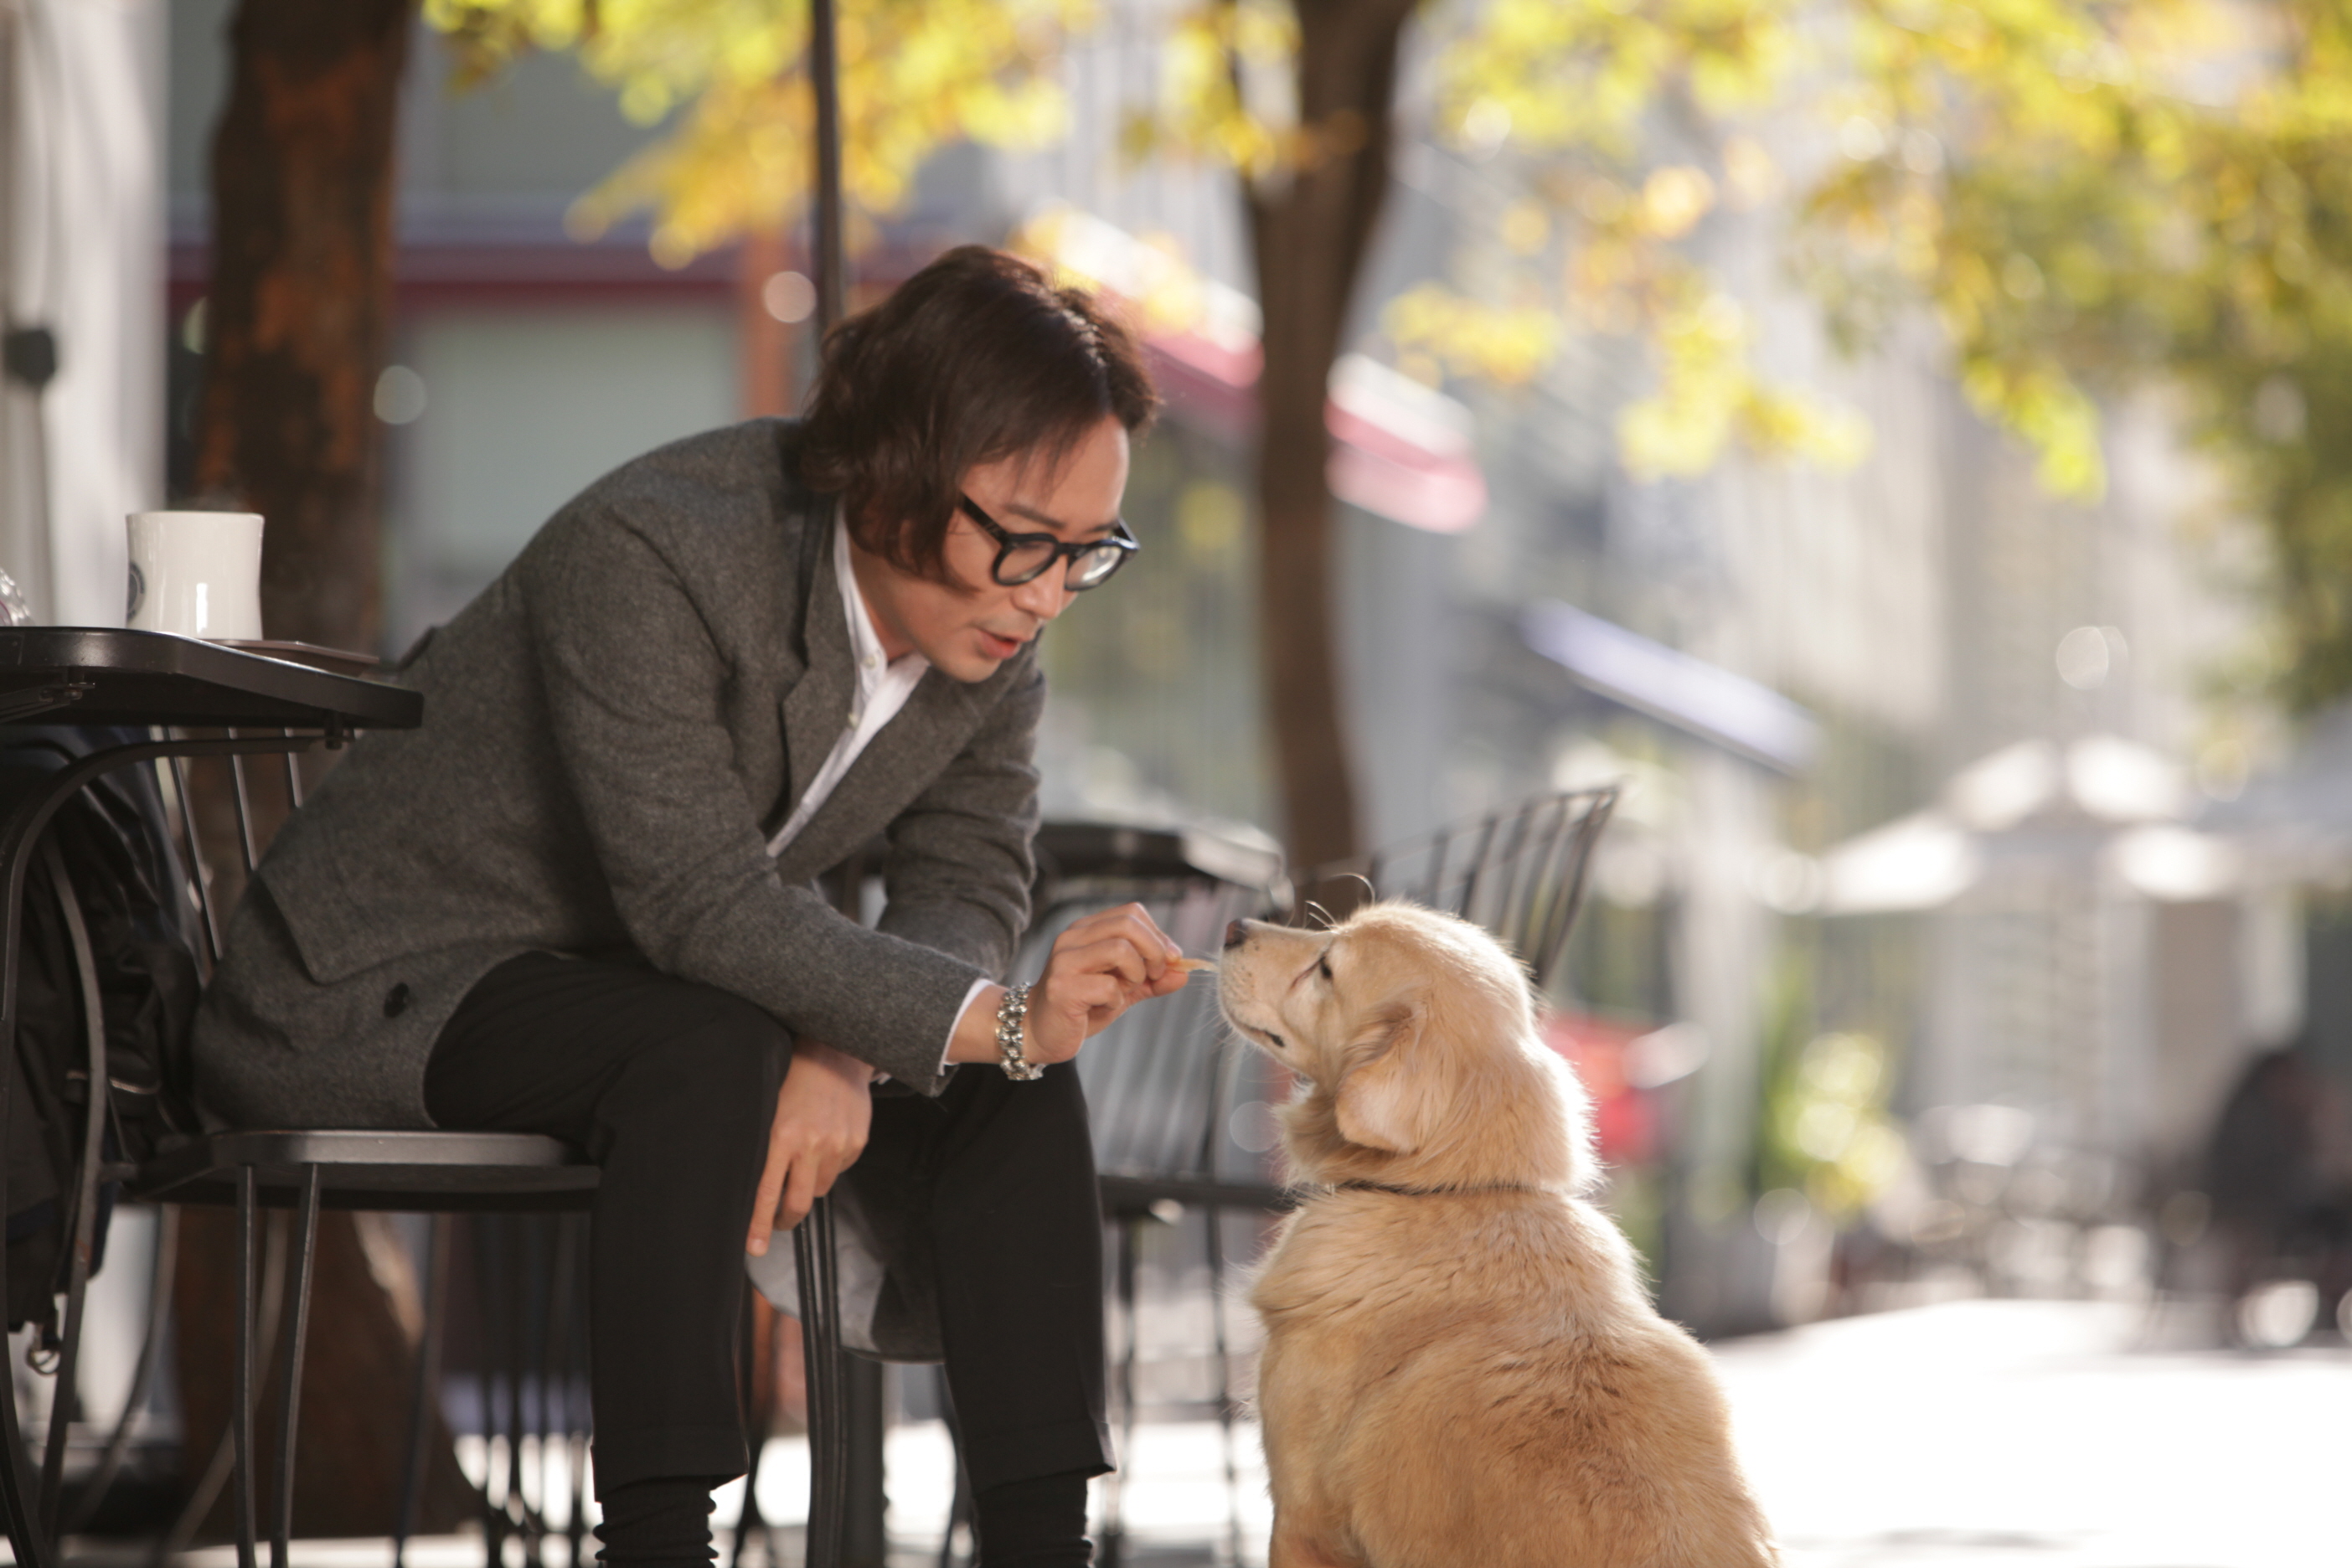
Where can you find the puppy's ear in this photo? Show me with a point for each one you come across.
(1382, 1102)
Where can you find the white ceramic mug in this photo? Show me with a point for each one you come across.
(197, 574)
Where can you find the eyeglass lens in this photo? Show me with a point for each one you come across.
(1023, 562)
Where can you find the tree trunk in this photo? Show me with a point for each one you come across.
(300, 301)
(1311, 227)
(299, 314)
(770, 345)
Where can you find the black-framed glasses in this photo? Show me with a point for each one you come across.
(1025, 557)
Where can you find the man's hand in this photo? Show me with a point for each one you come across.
(1100, 966)
(823, 1112)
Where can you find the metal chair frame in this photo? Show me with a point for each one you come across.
(99, 676)
(408, 1172)
(1519, 871)
(436, 1172)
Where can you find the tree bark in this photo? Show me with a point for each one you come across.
(1311, 227)
(299, 312)
(300, 301)
(769, 347)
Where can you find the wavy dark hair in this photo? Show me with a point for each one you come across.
(975, 358)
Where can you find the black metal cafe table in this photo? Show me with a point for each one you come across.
(253, 704)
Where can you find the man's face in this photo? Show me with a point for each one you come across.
(969, 629)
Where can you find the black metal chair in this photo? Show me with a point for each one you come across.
(103, 683)
(443, 1173)
(1519, 871)
(436, 1172)
(440, 1173)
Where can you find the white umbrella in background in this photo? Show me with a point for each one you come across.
(2035, 809)
(2296, 821)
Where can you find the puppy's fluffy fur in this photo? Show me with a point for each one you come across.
(1461, 1366)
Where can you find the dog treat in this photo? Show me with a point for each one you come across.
(1192, 965)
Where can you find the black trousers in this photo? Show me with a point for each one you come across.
(670, 1088)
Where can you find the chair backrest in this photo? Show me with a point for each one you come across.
(226, 811)
(1519, 871)
(1165, 1082)
(1162, 1081)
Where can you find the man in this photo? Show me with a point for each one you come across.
(578, 900)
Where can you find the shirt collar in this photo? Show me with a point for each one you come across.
(865, 643)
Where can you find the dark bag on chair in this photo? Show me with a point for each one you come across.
(116, 849)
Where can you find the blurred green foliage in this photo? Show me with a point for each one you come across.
(1823, 1128)
(2098, 197)
(2088, 197)
(916, 75)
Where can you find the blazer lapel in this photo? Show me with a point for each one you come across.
(816, 709)
(896, 766)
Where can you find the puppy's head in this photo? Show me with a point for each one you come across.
(1415, 1037)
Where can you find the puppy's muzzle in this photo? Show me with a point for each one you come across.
(1238, 932)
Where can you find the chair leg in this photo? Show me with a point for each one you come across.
(1113, 1549)
(81, 1216)
(142, 1380)
(575, 1363)
(289, 1394)
(547, 1254)
(960, 1505)
(821, 1339)
(421, 1402)
(555, 1378)
(241, 1416)
(489, 1278)
(519, 1230)
(756, 1422)
(17, 1482)
(1215, 1216)
(222, 1469)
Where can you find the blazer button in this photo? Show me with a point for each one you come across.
(395, 1001)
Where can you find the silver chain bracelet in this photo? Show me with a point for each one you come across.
(1009, 1016)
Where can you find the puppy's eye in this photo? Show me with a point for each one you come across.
(1323, 967)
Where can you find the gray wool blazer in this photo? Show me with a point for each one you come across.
(612, 732)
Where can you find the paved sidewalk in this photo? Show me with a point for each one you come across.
(2040, 1435)
(1969, 1435)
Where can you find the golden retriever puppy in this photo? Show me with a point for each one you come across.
(1461, 1366)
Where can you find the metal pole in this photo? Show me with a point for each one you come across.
(825, 250)
(855, 1416)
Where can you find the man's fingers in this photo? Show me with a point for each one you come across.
(1093, 999)
(1101, 964)
(1116, 955)
(763, 1206)
(1131, 922)
(800, 1192)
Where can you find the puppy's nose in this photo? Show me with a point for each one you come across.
(1236, 933)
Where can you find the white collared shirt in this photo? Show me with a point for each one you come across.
(883, 687)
